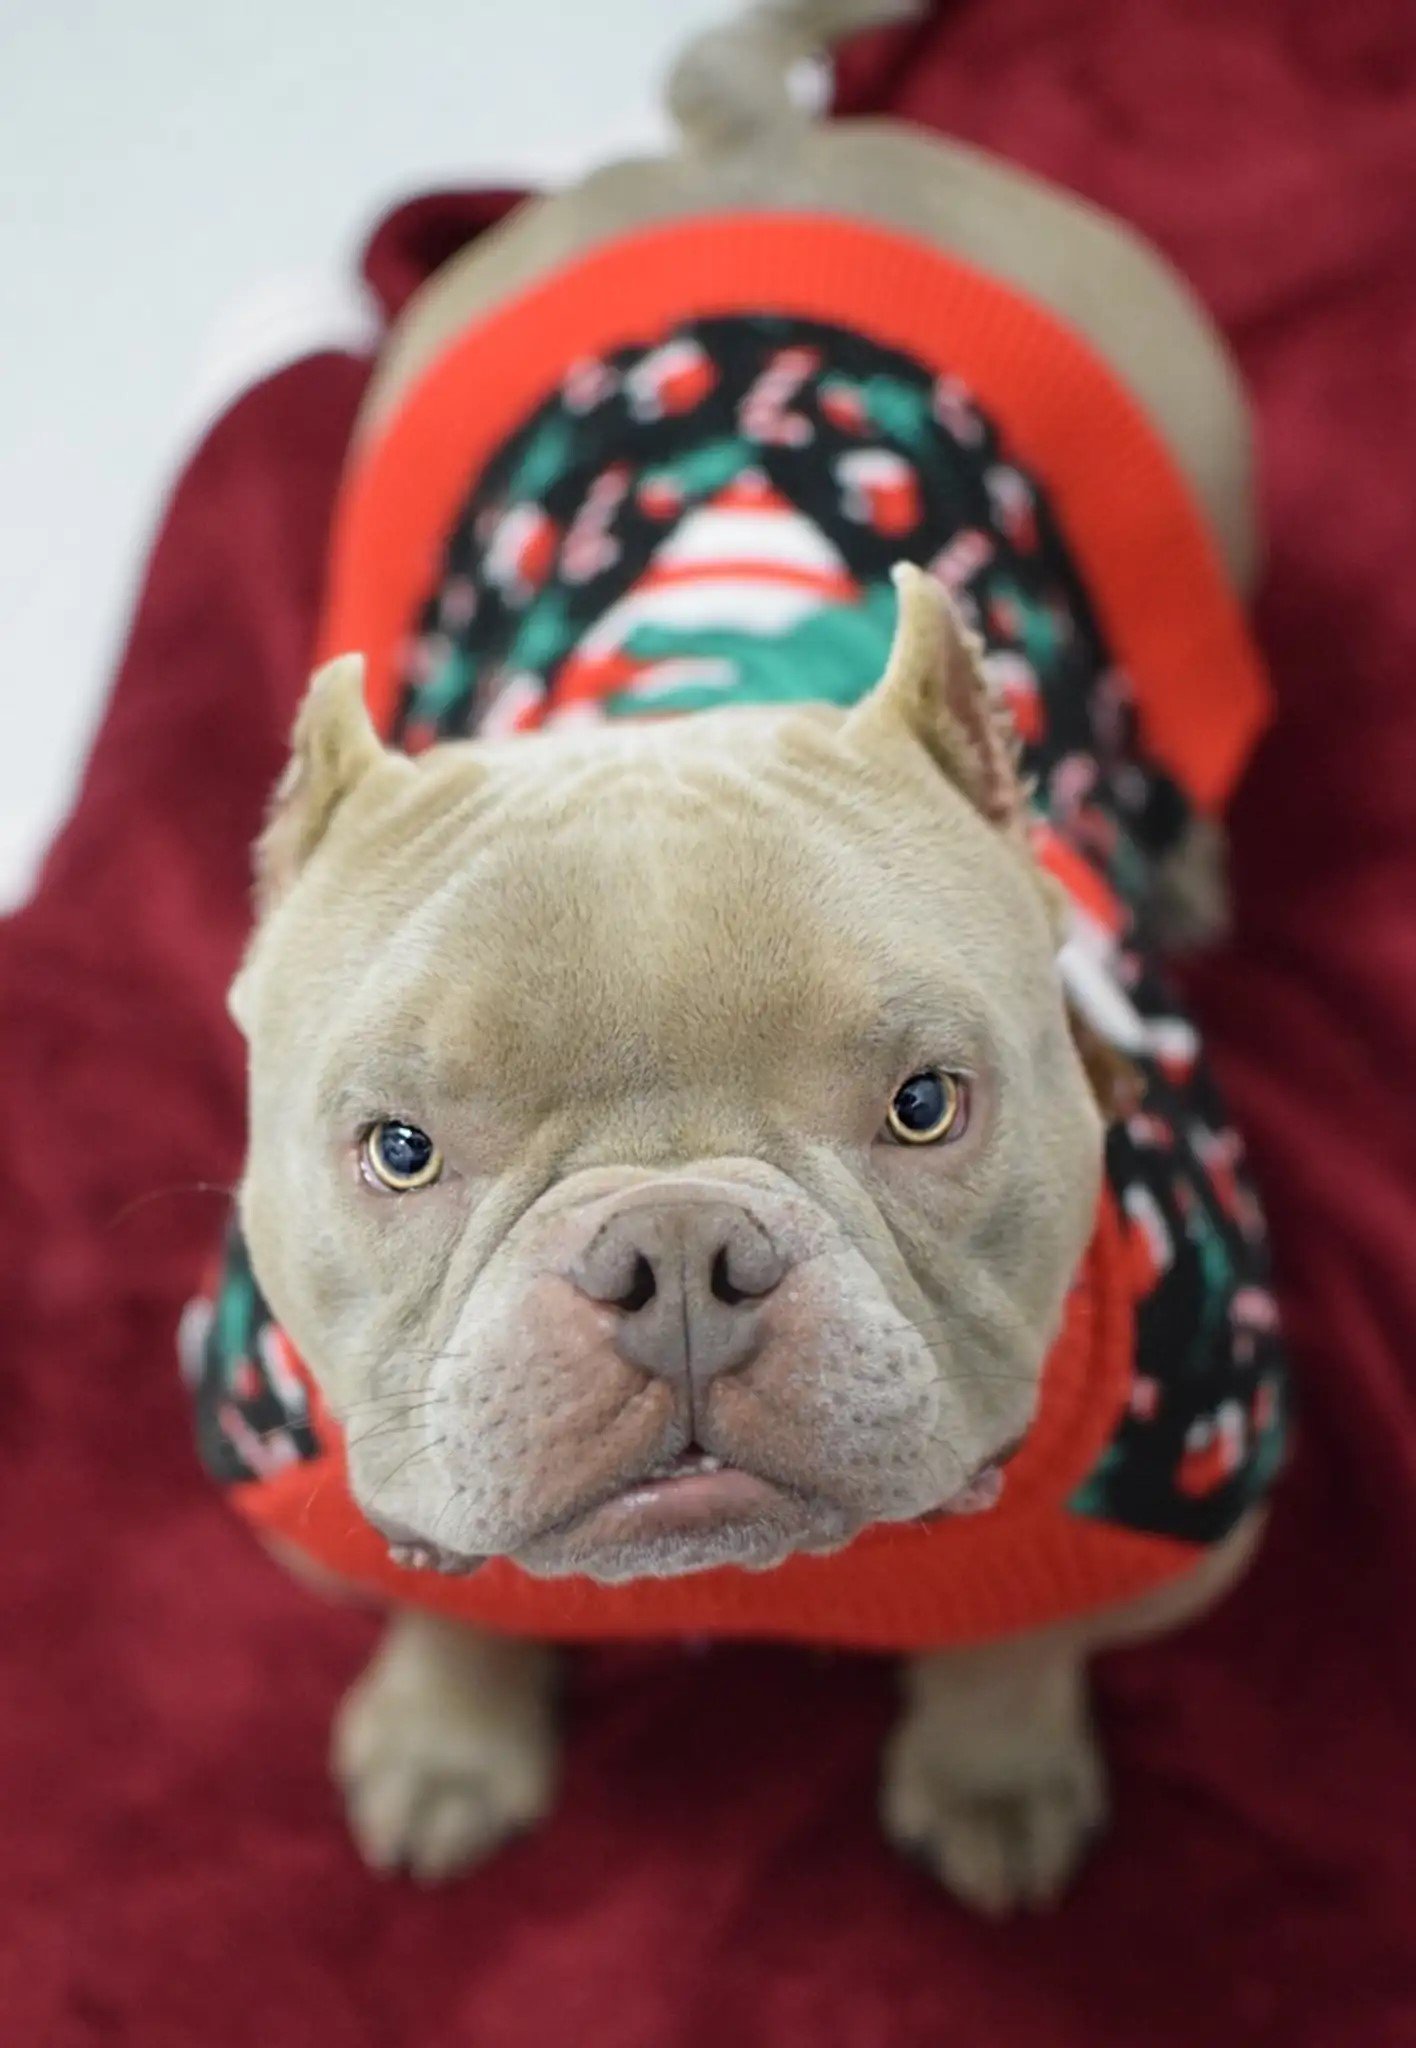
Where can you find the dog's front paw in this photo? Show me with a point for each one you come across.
(443, 1749)
(998, 1845)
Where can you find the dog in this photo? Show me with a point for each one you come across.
(722, 1156)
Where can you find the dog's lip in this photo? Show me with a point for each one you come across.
(691, 1490)
(679, 1503)
(688, 1491)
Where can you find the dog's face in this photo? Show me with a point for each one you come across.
(667, 1144)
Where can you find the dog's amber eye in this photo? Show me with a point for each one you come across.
(399, 1156)
(929, 1108)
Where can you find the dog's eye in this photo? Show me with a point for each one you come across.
(929, 1108)
(400, 1157)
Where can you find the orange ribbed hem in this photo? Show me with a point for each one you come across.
(1140, 539)
(1025, 1563)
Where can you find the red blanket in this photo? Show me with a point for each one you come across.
(174, 1870)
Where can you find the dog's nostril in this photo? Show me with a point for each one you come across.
(721, 1282)
(641, 1289)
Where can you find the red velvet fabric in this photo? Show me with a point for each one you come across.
(173, 1868)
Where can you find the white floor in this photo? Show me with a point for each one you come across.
(176, 171)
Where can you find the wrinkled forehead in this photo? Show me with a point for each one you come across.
(624, 927)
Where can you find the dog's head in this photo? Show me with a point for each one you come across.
(667, 1147)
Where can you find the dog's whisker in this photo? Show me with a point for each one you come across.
(420, 1399)
(400, 1426)
(185, 1187)
(451, 1501)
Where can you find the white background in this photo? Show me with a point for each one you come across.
(177, 175)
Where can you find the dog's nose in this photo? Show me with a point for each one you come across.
(687, 1278)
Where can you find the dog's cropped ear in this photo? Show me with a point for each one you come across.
(934, 688)
(333, 748)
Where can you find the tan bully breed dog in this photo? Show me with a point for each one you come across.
(675, 1141)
